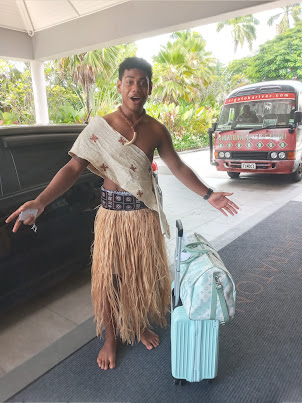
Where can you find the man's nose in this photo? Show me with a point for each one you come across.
(135, 86)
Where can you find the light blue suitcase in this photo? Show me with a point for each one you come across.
(194, 343)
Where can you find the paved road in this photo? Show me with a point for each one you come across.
(257, 195)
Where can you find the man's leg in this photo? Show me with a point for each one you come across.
(107, 355)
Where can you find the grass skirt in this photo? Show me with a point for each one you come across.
(130, 271)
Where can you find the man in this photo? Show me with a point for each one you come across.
(130, 274)
(247, 115)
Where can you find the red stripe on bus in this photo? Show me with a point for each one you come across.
(260, 97)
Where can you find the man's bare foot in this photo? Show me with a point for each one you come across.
(149, 339)
(106, 357)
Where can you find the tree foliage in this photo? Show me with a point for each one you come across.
(287, 14)
(65, 102)
(280, 58)
(277, 59)
(187, 122)
(189, 84)
(86, 82)
(16, 94)
(236, 73)
(182, 68)
(243, 30)
(86, 66)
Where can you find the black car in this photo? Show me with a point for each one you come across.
(31, 262)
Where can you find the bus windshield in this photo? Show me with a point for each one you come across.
(256, 114)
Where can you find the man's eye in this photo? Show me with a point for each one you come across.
(129, 82)
(143, 83)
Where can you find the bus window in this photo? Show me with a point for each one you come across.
(227, 115)
(261, 113)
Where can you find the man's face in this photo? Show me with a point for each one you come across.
(135, 87)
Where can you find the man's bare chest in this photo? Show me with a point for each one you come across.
(145, 140)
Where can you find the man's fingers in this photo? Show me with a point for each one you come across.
(231, 203)
(224, 204)
(229, 210)
(14, 215)
(234, 205)
(16, 226)
(30, 220)
(233, 208)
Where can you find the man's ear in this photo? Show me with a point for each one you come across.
(119, 83)
(150, 88)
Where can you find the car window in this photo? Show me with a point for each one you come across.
(8, 177)
(37, 164)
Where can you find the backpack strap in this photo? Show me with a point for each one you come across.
(191, 248)
(218, 289)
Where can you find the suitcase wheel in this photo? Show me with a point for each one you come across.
(179, 382)
(210, 381)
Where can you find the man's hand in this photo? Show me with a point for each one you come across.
(222, 203)
(61, 182)
(33, 204)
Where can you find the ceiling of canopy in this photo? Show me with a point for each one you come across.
(48, 29)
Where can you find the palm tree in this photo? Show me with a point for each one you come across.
(172, 75)
(288, 12)
(181, 68)
(85, 68)
(243, 30)
(194, 46)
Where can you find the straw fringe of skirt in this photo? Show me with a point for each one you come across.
(130, 272)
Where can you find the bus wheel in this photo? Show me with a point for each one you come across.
(233, 175)
(297, 175)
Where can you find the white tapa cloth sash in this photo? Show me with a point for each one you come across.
(127, 166)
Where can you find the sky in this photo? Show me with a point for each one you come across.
(219, 43)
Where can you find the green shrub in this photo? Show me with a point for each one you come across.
(187, 123)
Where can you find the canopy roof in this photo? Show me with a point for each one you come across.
(49, 29)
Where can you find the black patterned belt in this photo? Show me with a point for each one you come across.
(115, 200)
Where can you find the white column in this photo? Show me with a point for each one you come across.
(39, 88)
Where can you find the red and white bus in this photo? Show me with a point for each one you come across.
(259, 130)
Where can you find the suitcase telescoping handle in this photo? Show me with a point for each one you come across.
(179, 235)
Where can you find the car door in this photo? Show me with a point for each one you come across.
(61, 245)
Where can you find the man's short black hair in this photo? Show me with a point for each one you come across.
(135, 63)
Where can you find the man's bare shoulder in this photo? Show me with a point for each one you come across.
(111, 118)
(157, 127)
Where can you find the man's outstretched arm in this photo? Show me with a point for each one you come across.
(60, 183)
(190, 179)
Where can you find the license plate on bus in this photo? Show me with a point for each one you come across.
(248, 165)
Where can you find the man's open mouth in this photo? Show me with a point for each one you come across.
(135, 99)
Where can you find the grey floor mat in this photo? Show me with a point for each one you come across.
(260, 351)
